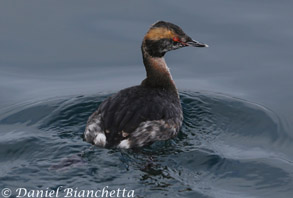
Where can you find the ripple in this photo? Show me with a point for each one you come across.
(227, 147)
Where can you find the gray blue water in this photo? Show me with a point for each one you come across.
(60, 59)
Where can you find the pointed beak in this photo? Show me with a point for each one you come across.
(194, 43)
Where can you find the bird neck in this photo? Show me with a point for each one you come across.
(158, 73)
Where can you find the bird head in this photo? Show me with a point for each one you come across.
(164, 36)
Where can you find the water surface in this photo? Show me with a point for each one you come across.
(59, 60)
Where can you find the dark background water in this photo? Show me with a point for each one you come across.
(59, 59)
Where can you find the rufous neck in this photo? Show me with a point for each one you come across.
(158, 73)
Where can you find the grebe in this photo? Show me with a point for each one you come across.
(140, 115)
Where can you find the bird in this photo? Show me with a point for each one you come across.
(141, 115)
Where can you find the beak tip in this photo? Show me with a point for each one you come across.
(201, 45)
(197, 44)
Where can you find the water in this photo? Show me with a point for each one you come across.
(227, 147)
(58, 61)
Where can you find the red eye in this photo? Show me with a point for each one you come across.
(176, 39)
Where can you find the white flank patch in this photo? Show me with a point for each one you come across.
(153, 134)
(124, 144)
(87, 132)
(100, 140)
(92, 126)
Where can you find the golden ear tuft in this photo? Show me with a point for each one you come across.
(159, 33)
